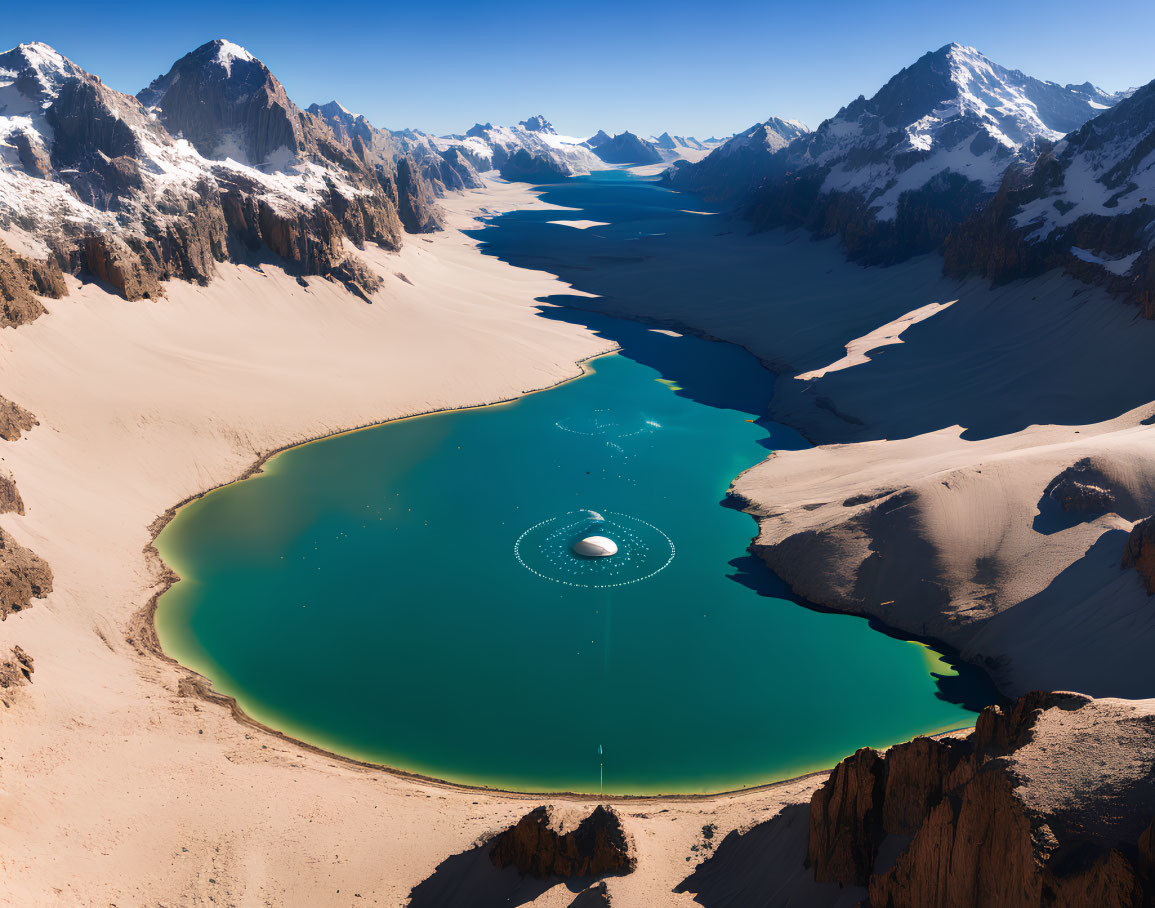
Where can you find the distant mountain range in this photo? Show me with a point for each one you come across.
(897, 174)
(213, 162)
(1005, 174)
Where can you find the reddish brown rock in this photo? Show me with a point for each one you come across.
(24, 576)
(14, 419)
(10, 501)
(846, 820)
(15, 670)
(1139, 552)
(110, 259)
(33, 155)
(21, 280)
(596, 847)
(1048, 802)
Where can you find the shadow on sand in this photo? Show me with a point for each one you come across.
(470, 880)
(765, 866)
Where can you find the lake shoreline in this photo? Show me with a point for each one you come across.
(197, 684)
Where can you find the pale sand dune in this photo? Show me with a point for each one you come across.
(580, 225)
(858, 350)
(114, 787)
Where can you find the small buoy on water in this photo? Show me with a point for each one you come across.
(595, 547)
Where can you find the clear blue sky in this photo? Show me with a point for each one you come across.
(689, 67)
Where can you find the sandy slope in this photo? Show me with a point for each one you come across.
(114, 787)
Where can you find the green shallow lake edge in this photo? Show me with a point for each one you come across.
(284, 728)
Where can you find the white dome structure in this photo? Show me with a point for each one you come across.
(595, 547)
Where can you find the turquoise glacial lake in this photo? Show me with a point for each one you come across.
(408, 594)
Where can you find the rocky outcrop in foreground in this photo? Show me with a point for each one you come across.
(544, 848)
(24, 576)
(537, 847)
(1047, 802)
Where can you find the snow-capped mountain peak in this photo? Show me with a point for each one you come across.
(228, 53)
(951, 111)
(35, 71)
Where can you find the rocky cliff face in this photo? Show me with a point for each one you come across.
(22, 281)
(1017, 814)
(537, 847)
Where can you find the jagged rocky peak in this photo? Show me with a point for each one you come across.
(33, 72)
(538, 124)
(952, 110)
(65, 128)
(346, 125)
(229, 105)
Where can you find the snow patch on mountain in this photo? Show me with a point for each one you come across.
(228, 53)
(1120, 265)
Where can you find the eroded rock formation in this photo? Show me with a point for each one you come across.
(14, 419)
(1047, 802)
(10, 501)
(23, 278)
(537, 847)
(15, 670)
(24, 576)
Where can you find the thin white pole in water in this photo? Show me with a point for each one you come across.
(601, 773)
